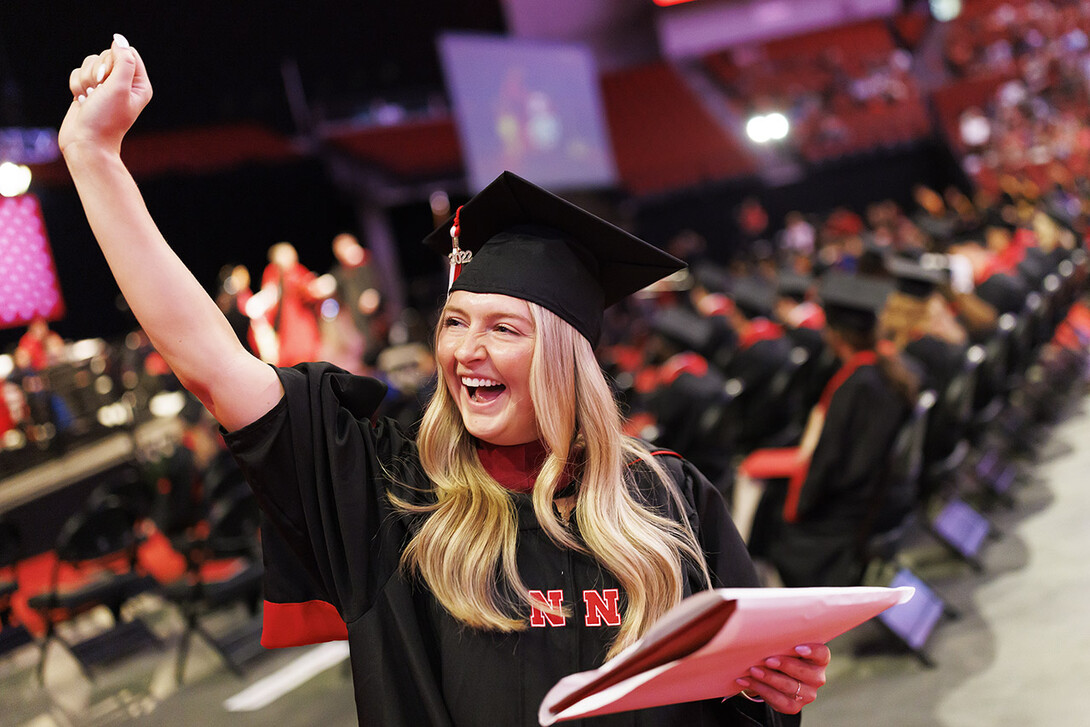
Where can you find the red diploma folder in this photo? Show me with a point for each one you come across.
(702, 645)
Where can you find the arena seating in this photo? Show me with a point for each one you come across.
(663, 138)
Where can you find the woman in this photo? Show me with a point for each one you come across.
(519, 538)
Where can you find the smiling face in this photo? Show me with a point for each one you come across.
(484, 349)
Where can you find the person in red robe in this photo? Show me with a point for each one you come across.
(293, 317)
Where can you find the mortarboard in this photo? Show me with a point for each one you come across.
(790, 284)
(515, 238)
(711, 277)
(914, 278)
(851, 301)
(753, 297)
(686, 328)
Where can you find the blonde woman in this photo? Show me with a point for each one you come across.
(520, 537)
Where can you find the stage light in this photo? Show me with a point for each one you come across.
(777, 126)
(763, 128)
(14, 179)
(757, 129)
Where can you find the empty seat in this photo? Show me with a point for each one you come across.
(95, 566)
(223, 569)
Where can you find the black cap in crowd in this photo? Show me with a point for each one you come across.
(853, 302)
(687, 329)
(753, 297)
(913, 278)
(790, 284)
(711, 277)
(530, 244)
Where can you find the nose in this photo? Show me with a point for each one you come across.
(470, 347)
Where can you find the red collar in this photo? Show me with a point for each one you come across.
(517, 466)
(860, 358)
(760, 329)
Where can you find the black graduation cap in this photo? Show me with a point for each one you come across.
(852, 301)
(790, 284)
(753, 297)
(914, 278)
(686, 328)
(530, 244)
(711, 277)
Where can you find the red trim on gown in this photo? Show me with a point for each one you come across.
(780, 463)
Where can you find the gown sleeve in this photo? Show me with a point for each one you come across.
(320, 470)
(730, 566)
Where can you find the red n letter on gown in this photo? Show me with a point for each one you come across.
(538, 617)
(602, 606)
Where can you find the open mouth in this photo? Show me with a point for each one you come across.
(482, 390)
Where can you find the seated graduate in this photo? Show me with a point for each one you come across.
(519, 536)
(762, 345)
(810, 530)
(918, 322)
(762, 350)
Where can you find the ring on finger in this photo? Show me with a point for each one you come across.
(798, 692)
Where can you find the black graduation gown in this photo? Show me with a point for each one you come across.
(838, 495)
(1006, 293)
(320, 470)
(940, 360)
(755, 366)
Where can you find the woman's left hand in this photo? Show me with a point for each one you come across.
(790, 681)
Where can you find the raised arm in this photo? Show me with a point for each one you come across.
(185, 325)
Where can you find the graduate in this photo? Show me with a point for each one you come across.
(918, 321)
(519, 537)
(810, 530)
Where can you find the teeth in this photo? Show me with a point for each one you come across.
(476, 383)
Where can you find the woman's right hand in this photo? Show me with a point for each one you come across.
(109, 90)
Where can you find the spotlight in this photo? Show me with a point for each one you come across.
(757, 129)
(777, 126)
(763, 128)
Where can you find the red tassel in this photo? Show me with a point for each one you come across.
(458, 257)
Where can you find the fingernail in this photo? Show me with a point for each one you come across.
(772, 663)
(100, 72)
(803, 650)
(121, 41)
(91, 90)
(757, 672)
(81, 98)
(744, 683)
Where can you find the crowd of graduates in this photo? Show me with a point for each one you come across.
(788, 377)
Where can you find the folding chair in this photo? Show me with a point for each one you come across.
(229, 534)
(97, 549)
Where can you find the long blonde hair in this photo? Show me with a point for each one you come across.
(465, 549)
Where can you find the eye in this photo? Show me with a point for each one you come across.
(451, 322)
(504, 328)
